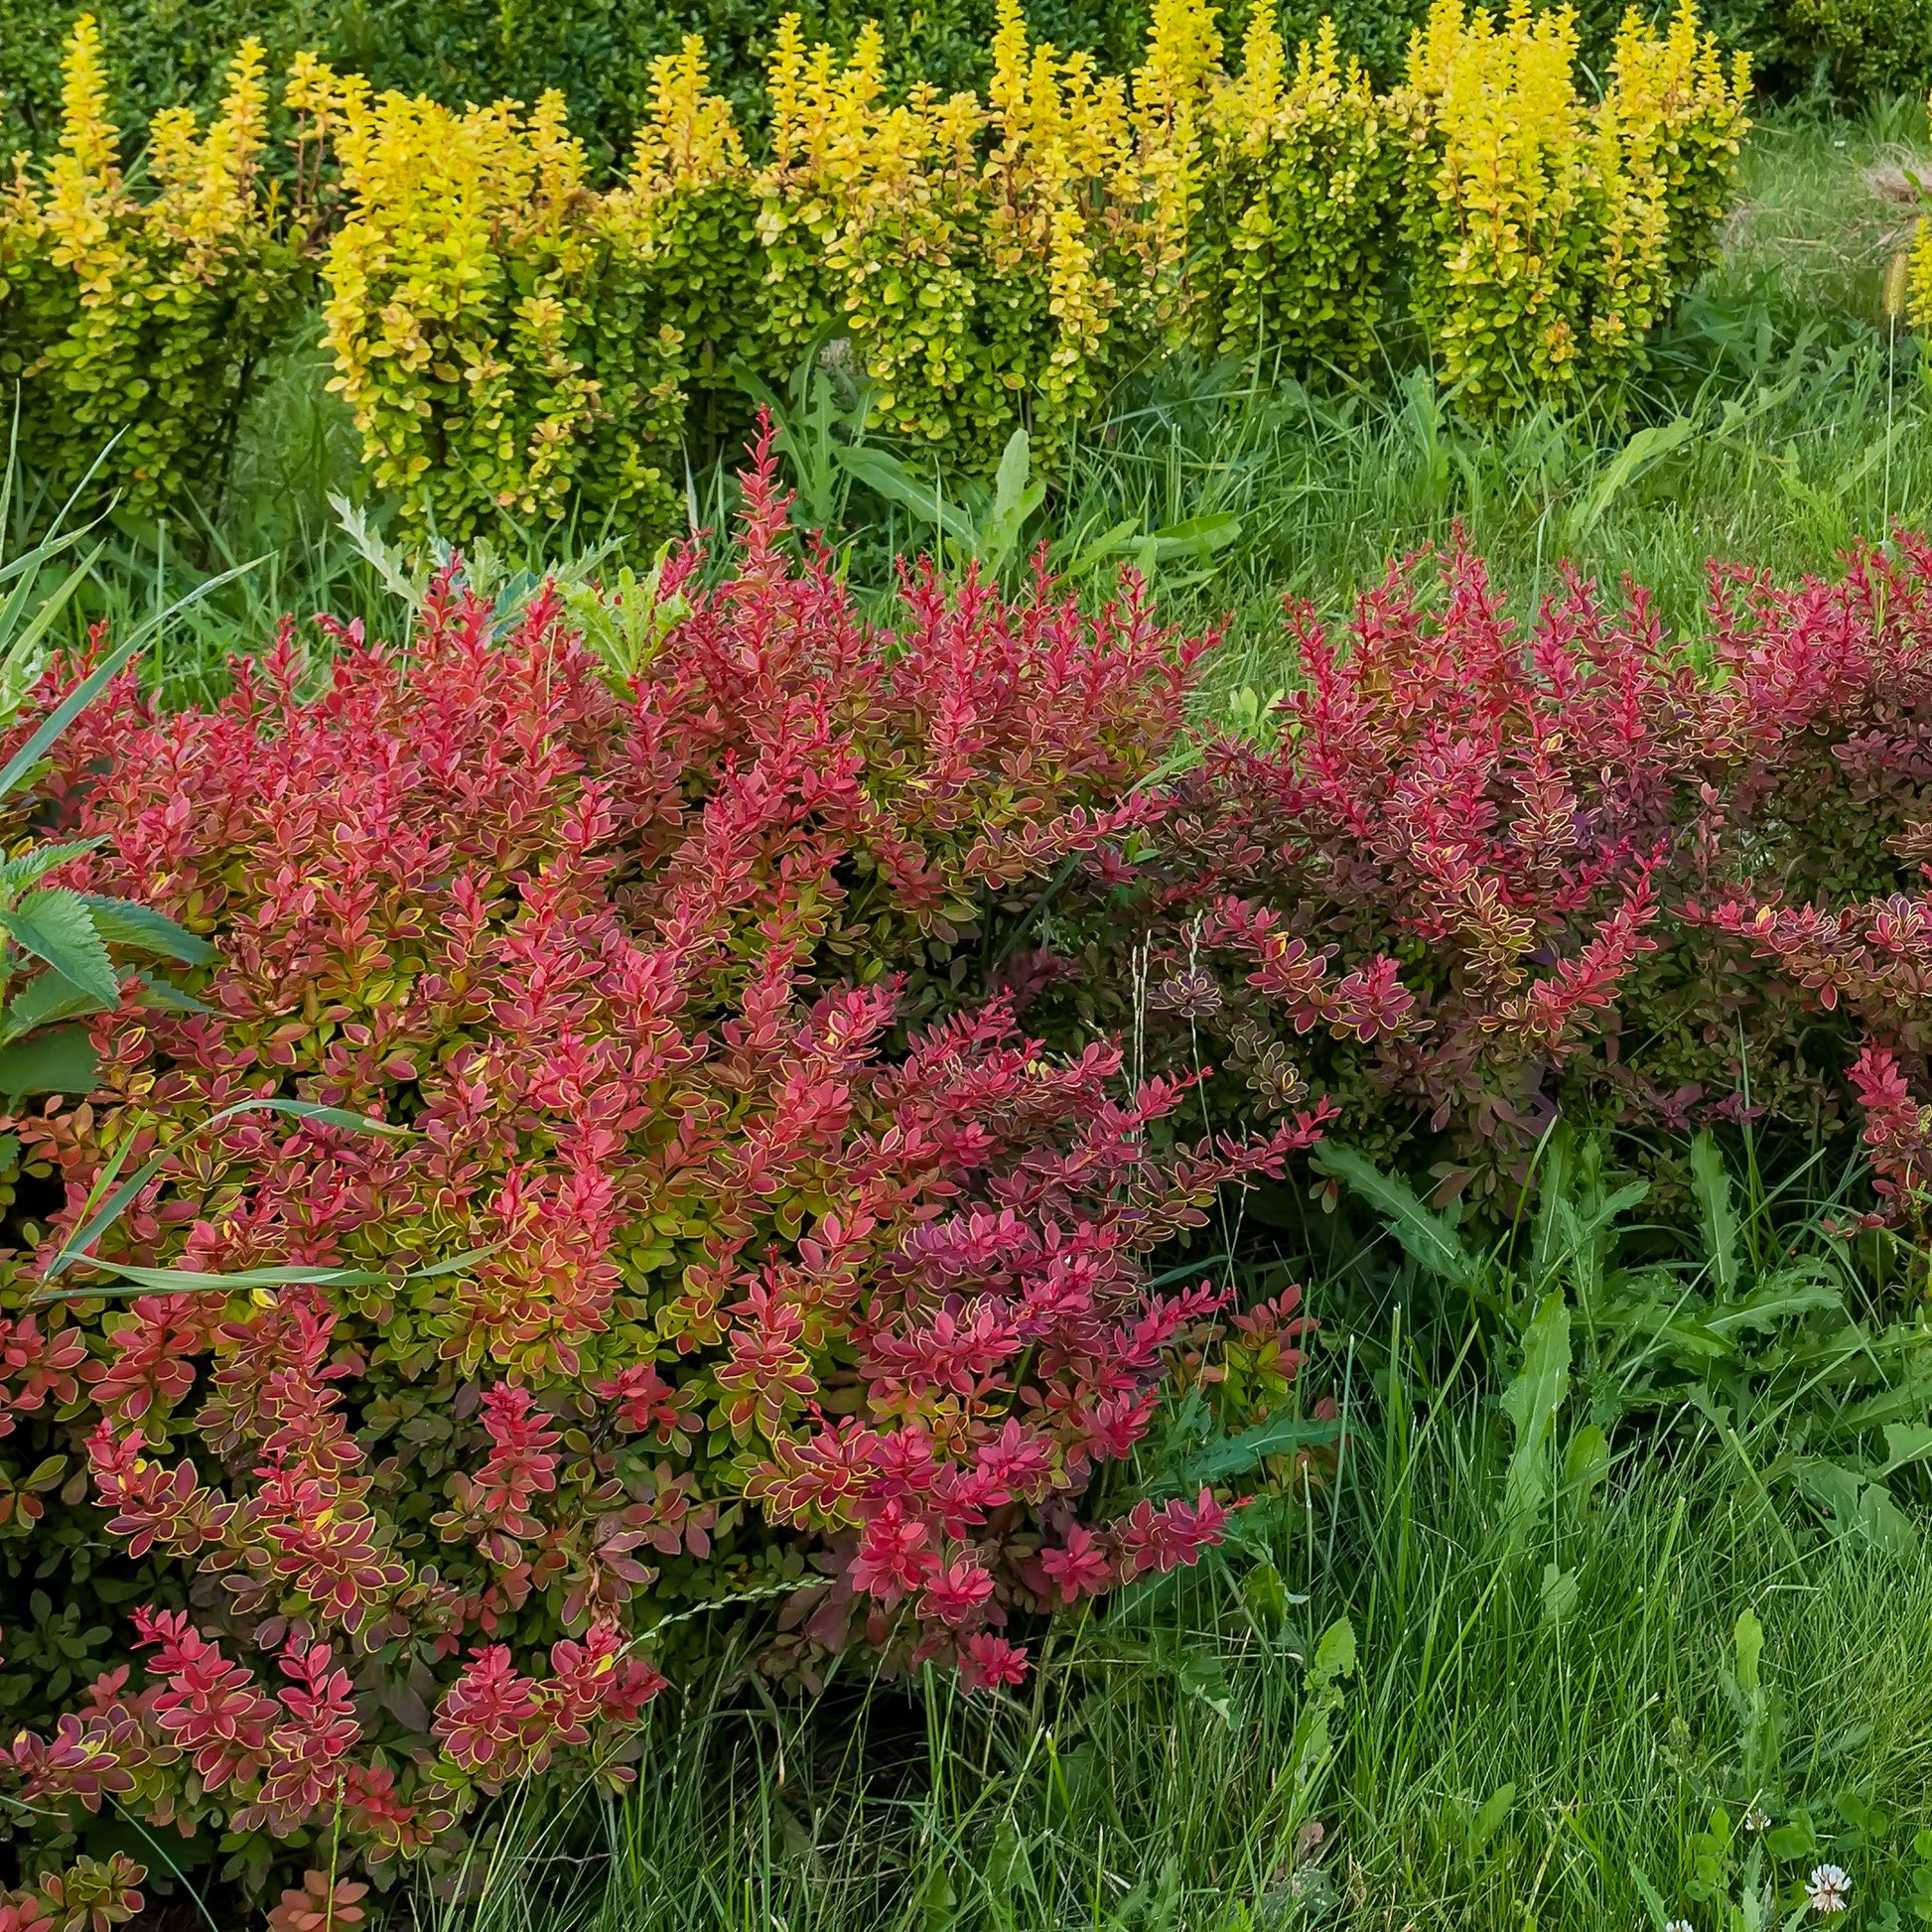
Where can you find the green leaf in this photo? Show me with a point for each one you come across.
(1013, 502)
(1096, 551)
(1334, 1657)
(64, 1062)
(30, 868)
(46, 998)
(938, 1903)
(1195, 536)
(1489, 1820)
(57, 927)
(1558, 1593)
(1885, 1525)
(1793, 1291)
(123, 923)
(1586, 1462)
(889, 477)
(1010, 480)
(1234, 1455)
(1905, 1441)
(1652, 1903)
(1747, 1639)
(1531, 1401)
(162, 996)
(1711, 1182)
(1643, 452)
(1429, 1238)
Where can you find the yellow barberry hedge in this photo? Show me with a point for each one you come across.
(132, 315)
(1547, 235)
(518, 342)
(497, 326)
(1305, 199)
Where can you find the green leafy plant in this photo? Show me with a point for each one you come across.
(136, 304)
(60, 950)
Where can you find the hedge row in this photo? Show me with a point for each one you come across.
(597, 52)
(515, 340)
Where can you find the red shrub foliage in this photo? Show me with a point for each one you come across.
(678, 1285)
(1613, 880)
(727, 1240)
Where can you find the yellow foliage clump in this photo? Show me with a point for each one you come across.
(133, 320)
(688, 201)
(495, 322)
(1547, 235)
(1306, 172)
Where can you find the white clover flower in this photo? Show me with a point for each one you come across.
(1680, 1925)
(1829, 1888)
(1757, 1819)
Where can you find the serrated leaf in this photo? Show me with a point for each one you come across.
(1234, 1455)
(1429, 1237)
(56, 925)
(46, 998)
(889, 477)
(123, 923)
(29, 868)
(1905, 1442)
(1711, 1182)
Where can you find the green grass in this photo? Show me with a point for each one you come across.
(1492, 1767)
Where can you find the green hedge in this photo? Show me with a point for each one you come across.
(599, 51)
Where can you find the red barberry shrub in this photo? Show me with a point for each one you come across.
(1477, 874)
(689, 1268)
